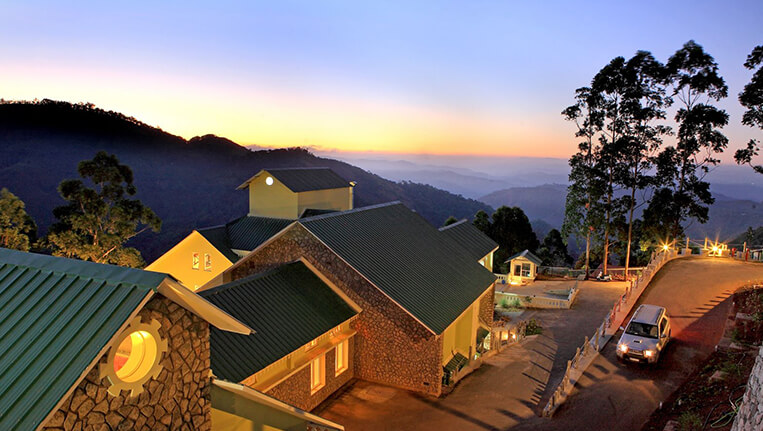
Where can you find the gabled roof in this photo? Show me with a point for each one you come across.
(527, 254)
(473, 240)
(218, 237)
(408, 259)
(311, 212)
(57, 315)
(288, 306)
(304, 179)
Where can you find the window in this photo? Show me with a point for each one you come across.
(311, 344)
(135, 358)
(340, 362)
(195, 261)
(526, 270)
(663, 326)
(517, 269)
(317, 374)
(207, 262)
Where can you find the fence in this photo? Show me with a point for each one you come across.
(560, 271)
(534, 301)
(585, 354)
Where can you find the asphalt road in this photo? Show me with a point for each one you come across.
(618, 396)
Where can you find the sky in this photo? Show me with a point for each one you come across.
(486, 78)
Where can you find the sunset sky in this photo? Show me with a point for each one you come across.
(471, 77)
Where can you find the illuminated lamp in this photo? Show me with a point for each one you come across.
(269, 181)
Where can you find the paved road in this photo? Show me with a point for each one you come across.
(617, 396)
(508, 389)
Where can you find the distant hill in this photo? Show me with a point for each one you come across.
(188, 183)
(729, 216)
(753, 240)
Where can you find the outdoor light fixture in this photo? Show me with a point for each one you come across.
(665, 247)
(513, 336)
(269, 181)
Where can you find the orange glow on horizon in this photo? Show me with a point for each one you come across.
(252, 115)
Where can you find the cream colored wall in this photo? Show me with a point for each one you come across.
(519, 261)
(275, 200)
(461, 335)
(487, 261)
(178, 261)
(331, 199)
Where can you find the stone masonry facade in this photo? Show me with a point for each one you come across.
(750, 415)
(487, 305)
(296, 389)
(391, 347)
(179, 399)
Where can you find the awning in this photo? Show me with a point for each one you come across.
(481, 334)
(456, 363)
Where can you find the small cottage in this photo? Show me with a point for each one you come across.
(523, 267)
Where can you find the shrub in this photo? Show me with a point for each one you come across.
(533, 328)
(689, 421)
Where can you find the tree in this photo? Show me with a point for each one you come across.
(100, 217)
(511, 229)
(482, 222)
(644, 104)
(17, 229)
(751, 98)
(693, 76)
(450, 220)
(585, 189)
(553, 251)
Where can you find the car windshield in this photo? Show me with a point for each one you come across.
(642, 330)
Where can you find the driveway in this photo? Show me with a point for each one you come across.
(617, 396)
(510, 388)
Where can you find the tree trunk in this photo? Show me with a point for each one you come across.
(587, 252)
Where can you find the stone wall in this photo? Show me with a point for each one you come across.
(750, 415)
(296, 389)
(487, 305)
(179, 399)
(391, 347)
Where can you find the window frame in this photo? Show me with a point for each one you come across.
(341, 357)
(207, 262)
(317, 368)
(195, 260)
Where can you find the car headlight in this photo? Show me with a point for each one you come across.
(648, 353)
(623, 348)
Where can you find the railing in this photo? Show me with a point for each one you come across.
(560, 271)
(534, 301)
(502, 278)
(587, 352)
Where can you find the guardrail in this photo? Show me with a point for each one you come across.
(585, 354)
(502, 278)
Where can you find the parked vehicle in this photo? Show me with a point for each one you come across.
(646, 335)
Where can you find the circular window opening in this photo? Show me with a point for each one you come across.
(135, 356)
(269, 181)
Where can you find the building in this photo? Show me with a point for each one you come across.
(473, 240)
(523, 267)
(421, 304)
(88, 346)
(276, 198)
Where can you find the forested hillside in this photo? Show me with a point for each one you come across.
(188, 183)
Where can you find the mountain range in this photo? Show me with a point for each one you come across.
(188, 183)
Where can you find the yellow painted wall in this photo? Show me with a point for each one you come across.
(460, 335)
(231, 412)
(275, 200)
(331, 199)
(178, 261)
(520, 261)
(487, 262)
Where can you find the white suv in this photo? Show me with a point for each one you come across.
(646, 335)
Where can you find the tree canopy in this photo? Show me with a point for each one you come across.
(100, 216)
(17, 229)
(751, 98)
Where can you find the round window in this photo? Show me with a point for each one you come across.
(269, 181)
(136, 357)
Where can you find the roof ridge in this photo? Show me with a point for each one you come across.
(297, 168)
(453, 225)
(352, 211)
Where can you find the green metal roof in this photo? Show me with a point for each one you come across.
(218, 237)
(527, 254)
(288, 307)
(56, 315)
(412, 262)
(247, 233)
(473, 240)
(308, 179)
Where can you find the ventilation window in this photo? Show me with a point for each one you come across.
(135, 359)
(269, 181)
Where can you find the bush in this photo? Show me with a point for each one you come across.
(533, 328)
(689, 421)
